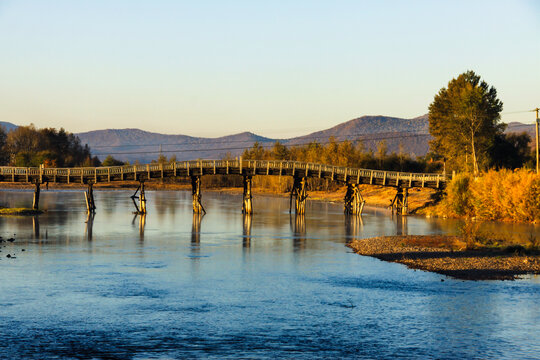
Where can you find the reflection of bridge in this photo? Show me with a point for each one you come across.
(300, 171)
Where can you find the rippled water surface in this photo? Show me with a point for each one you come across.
(171, 285)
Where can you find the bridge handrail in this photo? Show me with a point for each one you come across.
(203, 163)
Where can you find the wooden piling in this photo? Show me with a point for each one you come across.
(196, 193)
(247, 207)
(353, 201)
(35, 203)
(299, 191)
(89, 196)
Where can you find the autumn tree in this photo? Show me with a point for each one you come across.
(464, 120)
(4, 155)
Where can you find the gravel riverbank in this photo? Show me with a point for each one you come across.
(446, 255)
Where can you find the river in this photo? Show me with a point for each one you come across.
(171, 285)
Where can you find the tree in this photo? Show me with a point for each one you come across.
(111, 161)
(510, 151)
(464, 120)
(4, 155)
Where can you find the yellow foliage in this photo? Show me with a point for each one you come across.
(496, 195)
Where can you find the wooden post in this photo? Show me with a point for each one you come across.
(35, 203)
(89, 196)
(196, 193)
(247, 206)
(300, 193)
(354, 202)
(142, 199)
(405, 204)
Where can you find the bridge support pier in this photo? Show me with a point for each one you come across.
(354, 202)
(35, 202)
(142, 199)
(89, 196)
(196, 192)
(247, 206)
(300, 194)
(401, 201)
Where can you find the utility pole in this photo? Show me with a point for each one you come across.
(537, 142)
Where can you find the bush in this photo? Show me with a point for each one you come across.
(495, 195)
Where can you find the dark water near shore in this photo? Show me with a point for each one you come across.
(170, 286)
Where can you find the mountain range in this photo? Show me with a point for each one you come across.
(135, 144)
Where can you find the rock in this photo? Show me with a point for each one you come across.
(11, 239)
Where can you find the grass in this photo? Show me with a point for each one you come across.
(20, 211)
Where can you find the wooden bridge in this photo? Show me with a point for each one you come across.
(300, 171)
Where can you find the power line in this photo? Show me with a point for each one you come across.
(262, 146)
(251, 141)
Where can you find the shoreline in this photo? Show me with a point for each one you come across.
(448, 255)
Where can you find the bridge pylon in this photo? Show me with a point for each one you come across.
(247, 204)
(196, 193)
(354, 202)
(35, 202)
(401, 201)
(299, 191)
(89, 197)
(142, 199)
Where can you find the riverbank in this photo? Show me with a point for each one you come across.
(377, 196)
(448, 255)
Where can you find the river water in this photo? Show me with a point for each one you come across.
(170, 285)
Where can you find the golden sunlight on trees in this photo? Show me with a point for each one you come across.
(464, 120)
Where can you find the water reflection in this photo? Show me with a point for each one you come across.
(196, 231)
(246, 241)
(401, 225)
(353, 226)
(299, 231)
(142, 224)
(35, 227)
(89, 225)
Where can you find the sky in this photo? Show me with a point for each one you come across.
(276, 68)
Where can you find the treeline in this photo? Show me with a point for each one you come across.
(28, 146)
(345, 153)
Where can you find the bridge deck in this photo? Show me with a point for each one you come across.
(85, 175)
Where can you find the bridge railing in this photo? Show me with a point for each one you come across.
(197, 164)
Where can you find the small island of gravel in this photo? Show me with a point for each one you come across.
(449, 255)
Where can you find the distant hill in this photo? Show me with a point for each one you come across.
(517, 127)
(413, 133)
(8, 126)
(135, 144)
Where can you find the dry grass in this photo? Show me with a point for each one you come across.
(20, 211)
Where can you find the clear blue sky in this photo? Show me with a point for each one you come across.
(277, 68)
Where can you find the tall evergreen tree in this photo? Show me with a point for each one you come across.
(464, 120)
